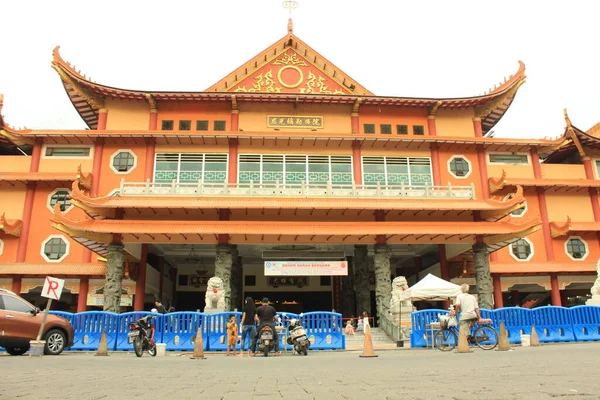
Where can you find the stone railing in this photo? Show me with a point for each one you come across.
(302, 189)
(390, 327)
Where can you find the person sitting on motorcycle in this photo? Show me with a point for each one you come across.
(265, 316)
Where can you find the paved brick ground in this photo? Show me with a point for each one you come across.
(565, 370)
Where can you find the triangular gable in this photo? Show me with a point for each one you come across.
(289, 66)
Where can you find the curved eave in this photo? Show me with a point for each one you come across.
(24, 177)
(10, 227)
(559, 185)
(53, 269)
(101, 232)
(569, 228)
(87, 96)
(326, 138)
(105, 206)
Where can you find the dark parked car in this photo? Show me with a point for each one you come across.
(20, 322)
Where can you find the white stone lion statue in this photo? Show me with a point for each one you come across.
(215, 294)
(399, 286)
(596, 288)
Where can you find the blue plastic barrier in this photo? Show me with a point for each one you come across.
(586, 323)
(217, 330)
(89, 326)
(420, 335)
(64, 314)
(284, 320)
(517, 321)
(324, 330)
(180, 330)
(124, 322)
(553, 324)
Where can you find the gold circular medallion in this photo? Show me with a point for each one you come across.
(288, 74)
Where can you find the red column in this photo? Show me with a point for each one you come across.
(545, 224)
(498, 301)
(140, 280)
(431, 127)
(232, 167)
(150, 151)
(435, 165)
(356, 163)
(102, 116)
(535, 161)
(589, 174)
(380, 217)
(483, 175)
(153, 122)
(224, 216)
(28, 207)
(445, 274)
(16, 284)
(555, 295)
(477, 127)
(235, 120)
(97, 168)
(355, 125)
(418, 266)
(84, 285)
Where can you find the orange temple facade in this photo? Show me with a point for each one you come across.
(289, 158)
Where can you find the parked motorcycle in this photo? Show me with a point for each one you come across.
(299, 340)
(142, 334)
(266, 340)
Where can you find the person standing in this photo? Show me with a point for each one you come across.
(159, 307)
(248, 327)
(232, 334)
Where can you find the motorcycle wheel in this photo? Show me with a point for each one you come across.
(152, 351)
(305, 350)
(266, 351)
(137, 347)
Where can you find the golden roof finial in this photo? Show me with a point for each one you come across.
(567, 119)
(290, 5)
(1, 101)
(290, 27)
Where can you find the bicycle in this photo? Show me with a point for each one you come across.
(482, 334)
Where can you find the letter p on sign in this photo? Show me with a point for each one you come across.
(53, 288)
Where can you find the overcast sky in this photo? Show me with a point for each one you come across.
(403, 48)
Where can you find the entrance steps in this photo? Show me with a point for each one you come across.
(380, 340)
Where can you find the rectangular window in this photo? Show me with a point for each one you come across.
(250, 280)
(202, 125)
(185, 125)
(396, 171)
(402, 129)
(167, 125)
(369, 128)
(190, 167)
(325, 281)
(418, 130)
(183, 280)
(219, 126)
(295, 169)
(67, 151)
(386, 129)
(506, 158)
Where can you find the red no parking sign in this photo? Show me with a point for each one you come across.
(53, 288)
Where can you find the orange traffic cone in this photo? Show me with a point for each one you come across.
(534, 341)
(368, 350)
(198, 347)
(503, 344)
(463, 343)
(102, 347)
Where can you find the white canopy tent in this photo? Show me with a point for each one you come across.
(431, 288)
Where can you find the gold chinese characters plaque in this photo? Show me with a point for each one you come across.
(298, 121)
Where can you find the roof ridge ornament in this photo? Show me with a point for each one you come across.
(567, 119)
(290, 5)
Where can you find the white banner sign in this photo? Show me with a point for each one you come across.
(98, 300)
(53, 288)
(306, 268)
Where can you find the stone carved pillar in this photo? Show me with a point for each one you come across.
(223, 264)
(236, 279)
(361, 279)
(383, 281)
(348, 298)
(114, 277)
(483, 277)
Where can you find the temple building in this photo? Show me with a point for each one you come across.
(289, 160)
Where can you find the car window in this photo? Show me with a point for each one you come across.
(14, 304)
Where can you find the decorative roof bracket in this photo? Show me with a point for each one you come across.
(151, 102)
(234, 104)
(356, 105)
(433, 108)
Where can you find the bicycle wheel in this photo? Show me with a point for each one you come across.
(445, 340)
(486, 337)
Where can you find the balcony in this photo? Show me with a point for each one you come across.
(204, 189)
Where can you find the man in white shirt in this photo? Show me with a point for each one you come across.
(467, 305)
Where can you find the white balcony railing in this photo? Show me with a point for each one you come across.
(204, 189)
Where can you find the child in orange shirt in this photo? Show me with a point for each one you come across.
(232, 334)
